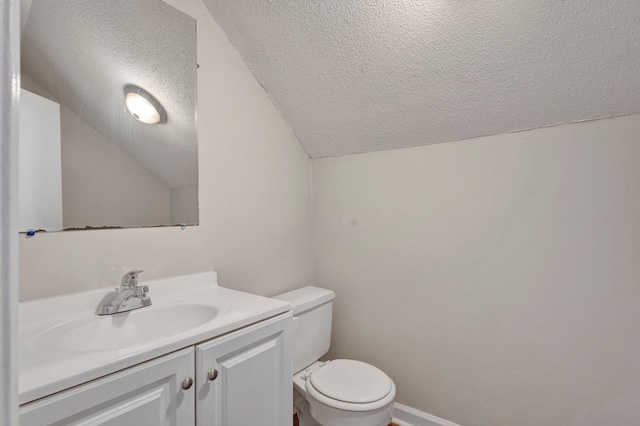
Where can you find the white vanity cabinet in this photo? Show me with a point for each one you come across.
(242, 378)
(147, 394)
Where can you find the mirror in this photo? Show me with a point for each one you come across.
(79, 58)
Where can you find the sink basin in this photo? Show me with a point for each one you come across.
(127, 329)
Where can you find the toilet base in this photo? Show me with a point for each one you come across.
(317, 414)
(301, 407)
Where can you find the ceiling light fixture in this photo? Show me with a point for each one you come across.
(143, 106)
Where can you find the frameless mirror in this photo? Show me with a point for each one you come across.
(114, 169)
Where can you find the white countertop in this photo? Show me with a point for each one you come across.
(46, 369)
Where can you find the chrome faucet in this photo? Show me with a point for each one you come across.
(128, 297)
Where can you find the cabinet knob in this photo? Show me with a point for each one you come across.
(187, 383)
(212, 375)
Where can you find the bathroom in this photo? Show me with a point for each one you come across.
(493, 277)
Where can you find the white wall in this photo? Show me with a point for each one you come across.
(254, 192)
(495, 279)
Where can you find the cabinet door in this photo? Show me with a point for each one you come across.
(253, 376)
(150, 394)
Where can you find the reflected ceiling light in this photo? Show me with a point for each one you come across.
(143, 106)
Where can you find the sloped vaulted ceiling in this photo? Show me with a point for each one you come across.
(355, 76)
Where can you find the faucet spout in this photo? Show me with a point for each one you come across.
(128, 297)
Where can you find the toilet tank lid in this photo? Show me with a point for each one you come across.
(306, 298)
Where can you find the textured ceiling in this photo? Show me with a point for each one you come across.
(355, 76)
(84, 53)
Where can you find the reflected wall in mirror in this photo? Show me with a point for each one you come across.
(115, 171)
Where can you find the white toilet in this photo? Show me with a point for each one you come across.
(332, 393)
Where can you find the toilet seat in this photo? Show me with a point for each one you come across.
(351, 385)
(351, 381)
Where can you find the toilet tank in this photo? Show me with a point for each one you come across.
(312, 308)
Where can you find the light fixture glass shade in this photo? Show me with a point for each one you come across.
(143, 106)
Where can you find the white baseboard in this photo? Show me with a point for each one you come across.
(407, 416)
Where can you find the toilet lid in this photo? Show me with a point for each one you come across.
(351, 381)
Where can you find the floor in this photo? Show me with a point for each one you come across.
(295, 421)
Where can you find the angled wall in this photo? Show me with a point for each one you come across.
(495, 279)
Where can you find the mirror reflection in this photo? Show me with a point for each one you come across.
(108, 127)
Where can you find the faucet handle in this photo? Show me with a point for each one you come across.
(141, 290)
(130, 279)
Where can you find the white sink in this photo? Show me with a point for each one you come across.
(98, 333)
(64, 342)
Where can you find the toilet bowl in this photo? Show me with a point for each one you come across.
(332, 393)
(344, 393)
